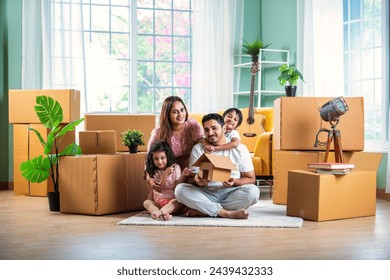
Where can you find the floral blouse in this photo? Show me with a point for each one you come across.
(182, 144)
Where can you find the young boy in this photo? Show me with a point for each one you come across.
(233, 119)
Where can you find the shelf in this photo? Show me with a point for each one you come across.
(263, 92)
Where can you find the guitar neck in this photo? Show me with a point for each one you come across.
(252, 96)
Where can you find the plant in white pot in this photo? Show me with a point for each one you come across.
(132, 139)
(39, 169)
(289, 77)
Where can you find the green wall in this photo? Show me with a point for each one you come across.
(4, 153)
(273, 22)
(10, 77)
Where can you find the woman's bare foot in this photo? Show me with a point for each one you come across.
(236, 214)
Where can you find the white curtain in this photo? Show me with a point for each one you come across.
(36, 51)
(39, 69)
(217, 29)
(321, 56)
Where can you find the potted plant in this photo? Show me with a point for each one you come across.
(290, 76)
(38, 169)
(132, 139)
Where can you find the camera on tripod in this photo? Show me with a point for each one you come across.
(331, 112)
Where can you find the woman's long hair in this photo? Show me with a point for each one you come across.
(158, 147)
(165, 122)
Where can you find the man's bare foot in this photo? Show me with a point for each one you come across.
(194, 213)
(156, 214)
(236, 214)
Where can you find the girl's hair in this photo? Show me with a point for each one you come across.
(238, 113)
(158, 147)
(165, 122)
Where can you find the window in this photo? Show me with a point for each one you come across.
(124, 55)
(364, 62)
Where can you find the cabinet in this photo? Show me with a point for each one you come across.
(269, 62)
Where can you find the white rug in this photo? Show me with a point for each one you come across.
(264, 214)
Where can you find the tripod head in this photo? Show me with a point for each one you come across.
(331, 112)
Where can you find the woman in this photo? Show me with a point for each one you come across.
(175, 128)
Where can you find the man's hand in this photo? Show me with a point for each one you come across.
(200, 181)
(229, 183)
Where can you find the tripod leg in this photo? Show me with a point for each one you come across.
(328, 146)
(337, 146)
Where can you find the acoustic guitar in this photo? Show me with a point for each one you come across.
(252, 125)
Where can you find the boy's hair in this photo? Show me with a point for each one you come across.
(158, 147)
(238, 113)
(213, 116)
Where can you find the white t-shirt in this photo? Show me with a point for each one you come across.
(240, 157)
(232, 134)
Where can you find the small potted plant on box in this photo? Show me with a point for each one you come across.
(38, 169)
(290, 76)
(132, 139)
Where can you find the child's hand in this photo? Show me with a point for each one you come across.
(208, 149)
(170, 169)
(157, 187)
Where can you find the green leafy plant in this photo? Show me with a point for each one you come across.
(50, 114)
(253, 48)
(289, 75)
(132, 138)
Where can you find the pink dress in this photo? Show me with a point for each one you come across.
(181, 144)
(168, 192)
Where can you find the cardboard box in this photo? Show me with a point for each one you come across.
(102, 184)
(323, 197)
(98, 142)
(28, 146)
(120, 123)
(297, 121)
(215, 167)
(20, 142)
(298, 160)
(22, 102)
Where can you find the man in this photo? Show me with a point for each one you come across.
(228, 199)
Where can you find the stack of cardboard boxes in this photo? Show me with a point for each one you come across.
(26, 143)
(106, 178)
(308, 194)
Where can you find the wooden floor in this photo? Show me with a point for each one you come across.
(29, 231)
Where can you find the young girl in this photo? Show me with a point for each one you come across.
(161, 167)
(233, 119)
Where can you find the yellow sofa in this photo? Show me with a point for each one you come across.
(263, 149)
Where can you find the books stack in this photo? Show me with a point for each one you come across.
(336, 168)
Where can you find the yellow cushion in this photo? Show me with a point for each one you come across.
(197, 116)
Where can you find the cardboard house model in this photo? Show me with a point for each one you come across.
(215, 167)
